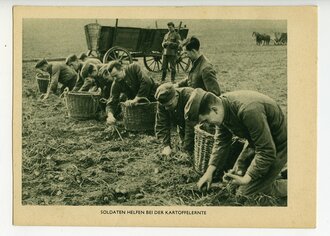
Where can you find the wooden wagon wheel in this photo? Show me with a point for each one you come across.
(118, 53)
(183, 63)
(153, 62)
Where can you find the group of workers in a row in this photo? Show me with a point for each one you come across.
(246, 114)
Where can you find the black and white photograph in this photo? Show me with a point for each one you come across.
(98, 141)
(155, 112)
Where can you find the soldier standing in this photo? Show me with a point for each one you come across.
(202, 74)
(170, 44)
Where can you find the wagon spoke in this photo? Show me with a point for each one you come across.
(117, 53)
(121, 57)
(183, 62)
(181, 66)
(152, 63)
(113, 58)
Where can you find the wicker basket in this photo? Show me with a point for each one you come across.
(203, 147)
(82, 105)
(204, 139)
(43, 82)
(92, 33)
(140, 116)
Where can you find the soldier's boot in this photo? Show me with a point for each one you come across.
(163, 75)
(173, 76)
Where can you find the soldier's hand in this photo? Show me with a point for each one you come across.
(225, 177)
(131, 102)
(167, 151)
(111, 119)
(239, 180)
(206, 178)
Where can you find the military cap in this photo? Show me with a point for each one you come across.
(71, 58)
(165, 93)
(82, 56)
(191, 110)
(170, 23)
(41, 63)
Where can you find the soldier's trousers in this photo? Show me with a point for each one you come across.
(270, 183)
(67, 84)
(169, 59)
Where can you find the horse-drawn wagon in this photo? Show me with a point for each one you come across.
(129, 43)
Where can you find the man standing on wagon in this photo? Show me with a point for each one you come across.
(202, 74)
(170, 44)
(255, 117)
(131, 81)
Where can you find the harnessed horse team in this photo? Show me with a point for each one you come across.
(264, 39)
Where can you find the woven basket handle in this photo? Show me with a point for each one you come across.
(143, 100)
(103, 100)
(65, 93)
(41, 74)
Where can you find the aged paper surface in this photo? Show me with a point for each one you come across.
(301, 110)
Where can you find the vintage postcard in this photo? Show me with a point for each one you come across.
(165, 116)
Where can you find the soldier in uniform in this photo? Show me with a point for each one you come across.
(73, 61)
(258, 119)
(171, 112)
(93, 77)
(170, 44)
(131, 81)
(202, 74)
(59, 73)
(77, 64)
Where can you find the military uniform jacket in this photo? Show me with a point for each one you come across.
(165, 119)
(258, 119)
(60, 72)
(202, 75)
(171, 43)
(135, 83)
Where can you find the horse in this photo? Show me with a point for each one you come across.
(261, 39)
(258, 38)
(266, 39)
